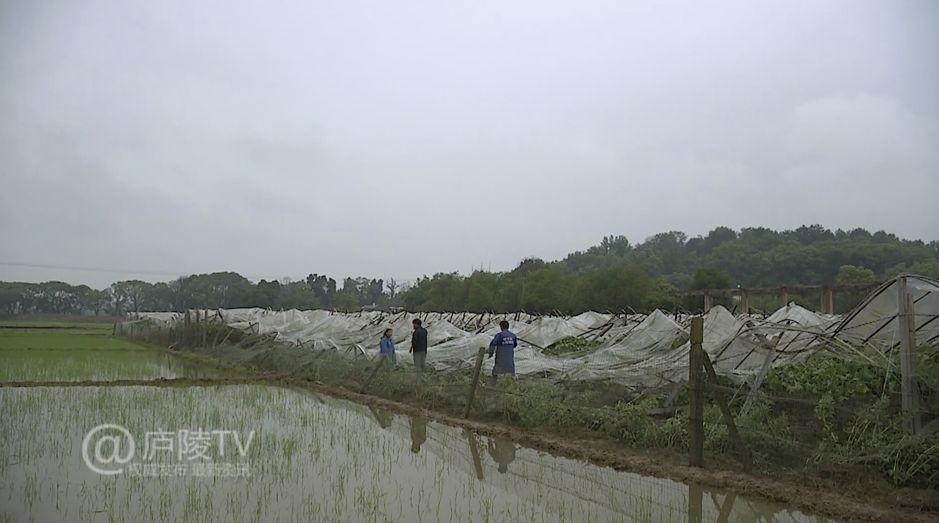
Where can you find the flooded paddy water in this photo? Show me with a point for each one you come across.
(291, 455)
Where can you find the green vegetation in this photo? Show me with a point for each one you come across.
(612, 276)
(856, 417)
(45, 351)
(23, 335)
(32, 338)
(572, 344)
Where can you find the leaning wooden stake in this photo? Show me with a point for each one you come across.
(696, 392)
(907, 331)
(472, 391)
(727, 414)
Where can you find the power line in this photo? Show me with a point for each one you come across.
(87, 269)
(115, 270)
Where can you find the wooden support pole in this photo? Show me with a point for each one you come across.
(708, 302)
(906, 329)
(785, 296)
(696, 393)
(205, 327)
(744, 302)
(726, 414)
(476, 372)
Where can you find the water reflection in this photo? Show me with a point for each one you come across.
(725, 508)
(418, 432)
(695, 503)
(383, 417)
(473, 441)
(502, 451)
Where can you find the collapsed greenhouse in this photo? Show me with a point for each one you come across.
(634, 350)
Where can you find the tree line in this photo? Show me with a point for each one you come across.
(613, 275)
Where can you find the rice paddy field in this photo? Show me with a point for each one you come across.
(271, 453)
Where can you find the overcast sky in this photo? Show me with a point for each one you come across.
(394, 139)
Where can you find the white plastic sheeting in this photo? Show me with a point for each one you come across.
(635, 350)
(875, 321)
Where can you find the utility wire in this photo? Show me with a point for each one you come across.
(106, 269)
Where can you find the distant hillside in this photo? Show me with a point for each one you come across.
(611, 276)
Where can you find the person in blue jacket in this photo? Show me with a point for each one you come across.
(386, 348)
(503, 345)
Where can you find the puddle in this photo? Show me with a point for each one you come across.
(316, 458)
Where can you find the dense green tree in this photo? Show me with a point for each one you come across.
(545, 290)
(848, 274)
(346, 300)
(707, 278)
(612, 275)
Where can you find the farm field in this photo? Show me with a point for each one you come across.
(306, 456)
(43, 351)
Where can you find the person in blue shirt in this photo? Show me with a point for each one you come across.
(386, 348)
(503, 345)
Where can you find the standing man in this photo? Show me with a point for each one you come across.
(503, 344)
(419, 345)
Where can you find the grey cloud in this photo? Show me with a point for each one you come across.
(404, 138)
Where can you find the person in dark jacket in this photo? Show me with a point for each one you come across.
(419, 345)
(503, 345)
